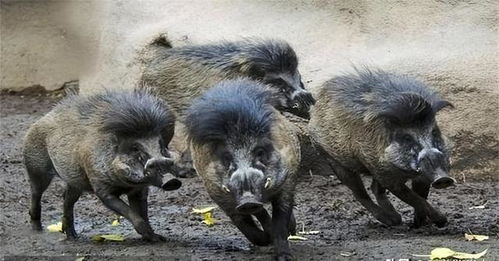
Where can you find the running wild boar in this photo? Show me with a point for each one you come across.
(183, 73)
(247, 154)
(108, 144)
(383, 124)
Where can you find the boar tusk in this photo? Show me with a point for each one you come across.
(267, 183)
(226, 188)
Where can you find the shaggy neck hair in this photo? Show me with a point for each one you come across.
(233, 110)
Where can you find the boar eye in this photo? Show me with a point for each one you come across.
(135, 148)
(226, 158)
(261, 153)
(406, 138)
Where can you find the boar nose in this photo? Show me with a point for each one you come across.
(442, 180)
(300, 103)
(154, 164)
(302, 99)
(167, 182)
(248, 204)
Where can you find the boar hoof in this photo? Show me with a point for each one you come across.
(439, 220)
(389, 218)
(285, 257)
(419, 220)
(154, 238)
(71, 235)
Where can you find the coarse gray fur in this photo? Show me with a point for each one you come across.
(183, 73)
(383, 124)
(108, 144)
(247, 154)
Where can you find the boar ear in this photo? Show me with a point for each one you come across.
(249, 67)
(438, 105)
(408, 108)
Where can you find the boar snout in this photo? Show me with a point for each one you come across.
(249, 204)
(442, 180)
(301, 102)
(157, 163)
(432, 163)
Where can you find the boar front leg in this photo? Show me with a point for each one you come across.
(422, 188)
(142, 227)
(248, 227)
(266, 222)
(138, 202)
(419, 204)
(282, 211)
(381, 197)
(354, 182)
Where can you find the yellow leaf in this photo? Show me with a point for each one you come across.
(461, 255)
(55, 227)
(116, 222)
(442, 253)
(202, 210)
(471, 237)
(439, 253)
(297, 238)
(208, 219)
(110, 237)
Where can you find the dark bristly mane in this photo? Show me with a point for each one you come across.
(263, 55)
(374, 94)
(231, 110)
(135, 113)
(272, 56)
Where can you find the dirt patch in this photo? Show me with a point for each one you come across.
(322, 203)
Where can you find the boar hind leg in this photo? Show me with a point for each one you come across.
(40, 175)
(419, 204)
(422, 188)
(381, 197)
(71, 195)
(138, 202)
(142, 227)
(248, 227)
(281, 216)
(354, 182)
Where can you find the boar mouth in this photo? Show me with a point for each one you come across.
(249, 207)
(249, 204)
(442, 180)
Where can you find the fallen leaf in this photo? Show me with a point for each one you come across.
(207, 214)
(347, 254)
(208, 219)
(441, 253)
(57, 227)
(203, 210)
(479, 207)
(80, 258)
(313, 232)
(116, 222)
(471, 237)
(297, 238)
(110, 237)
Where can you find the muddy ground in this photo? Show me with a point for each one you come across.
(347, 231)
